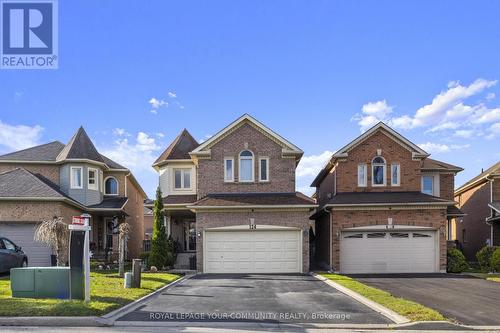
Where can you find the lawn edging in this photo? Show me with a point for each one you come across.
(115, 314)
(392, 315)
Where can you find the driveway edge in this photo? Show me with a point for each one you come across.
(395, 317)
(114, 315)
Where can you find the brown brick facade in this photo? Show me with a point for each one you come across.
(51, 172)
(211, 171)
(446, 185)
(135, 209)
(474, 203)
(392, 152)
(433, 218)
(294, 219)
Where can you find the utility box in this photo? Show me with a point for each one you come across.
(52, 282)
(22, 282)
(40, 282)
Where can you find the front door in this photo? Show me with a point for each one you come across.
(190, 236)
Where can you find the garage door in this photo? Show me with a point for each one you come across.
(388, 252)
(22, 235)
(253, 251)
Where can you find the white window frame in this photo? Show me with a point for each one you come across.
(384, 168)
(260, 169)
(435, 183)
(117, 186)
(253, 166)
(72, 184)
(226, 179)
(94, 186)
(183, 170)
(398, 183)
(365, 178)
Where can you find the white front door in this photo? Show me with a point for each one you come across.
(22, 235)
(253, 251)
(388, 252)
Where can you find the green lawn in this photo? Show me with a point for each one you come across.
(107, 294)
(496, 279)
(409, 309)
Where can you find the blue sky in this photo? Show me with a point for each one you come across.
(315, 72)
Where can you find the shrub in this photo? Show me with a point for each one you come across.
(495, 260)
(159, 242)
(456, 261)
(144, 256)
(484, 258)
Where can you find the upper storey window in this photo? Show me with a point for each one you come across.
(93, 179)
(428, 185)
(229, 169)
(378, 171)
(395, 175)
(111, 186)
(362, 179)
(182, 179)
(76, 177)
(246, 171)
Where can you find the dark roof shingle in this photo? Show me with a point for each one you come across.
(20, 183)
(80, 147)
(45, 152)
(494, 169)
(110, 203)
(179, 199)
(435, 165)
(367, 198)
(255, 199)
(179, 148)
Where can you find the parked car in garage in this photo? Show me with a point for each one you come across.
(11, 255)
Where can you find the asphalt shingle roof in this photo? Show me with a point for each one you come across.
(366, 198)
(179, 148)
(45, 152)
(110, 203)
(80, 147)
(20, 183)
(255, 199)
(495, 168)
(435, 165)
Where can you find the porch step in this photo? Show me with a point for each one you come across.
(182, 261)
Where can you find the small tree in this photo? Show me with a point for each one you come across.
(123, 240)
(55, 234)
(158, 256)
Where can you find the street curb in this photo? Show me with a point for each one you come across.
(114, 315)
(92, 321)
(395, 317)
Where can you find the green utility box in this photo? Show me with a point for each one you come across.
(40, 282)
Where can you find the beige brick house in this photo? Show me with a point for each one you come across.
(57, 180)
(479, 199)
(230, 202)
(384, 206)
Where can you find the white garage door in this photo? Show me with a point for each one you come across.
(22, 235)
(388, 252)
(253, 251)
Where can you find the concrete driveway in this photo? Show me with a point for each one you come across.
(255, 299)
(468, 300)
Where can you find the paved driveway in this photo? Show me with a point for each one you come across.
(255, 298)
(468, 300)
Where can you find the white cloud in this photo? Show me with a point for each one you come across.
(138, 154)
(464, 133)
(120, 132)
(494, 131)
(160, 135)
(156, 103)
(17, 137)
(436, 148)
(372, 113)
(172, 94)
(490, 96)
(308, 169)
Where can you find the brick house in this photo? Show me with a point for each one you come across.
(230, 202)
(479, 199)
(58, 180)
(384, 206)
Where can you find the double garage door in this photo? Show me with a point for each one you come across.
(22, 235)
(253, 251)
(388, 252)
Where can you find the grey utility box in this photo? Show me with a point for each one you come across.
(40, 282)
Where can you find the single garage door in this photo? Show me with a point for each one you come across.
(388, 252)
(253, 251)
(22, 235)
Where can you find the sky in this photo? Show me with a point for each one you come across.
(135, 73)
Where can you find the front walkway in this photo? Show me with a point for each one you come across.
(255, 298)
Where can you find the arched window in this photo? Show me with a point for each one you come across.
(246, 169)
(378, 171)
(111, 186)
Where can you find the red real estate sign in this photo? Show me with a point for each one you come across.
(80, 220)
